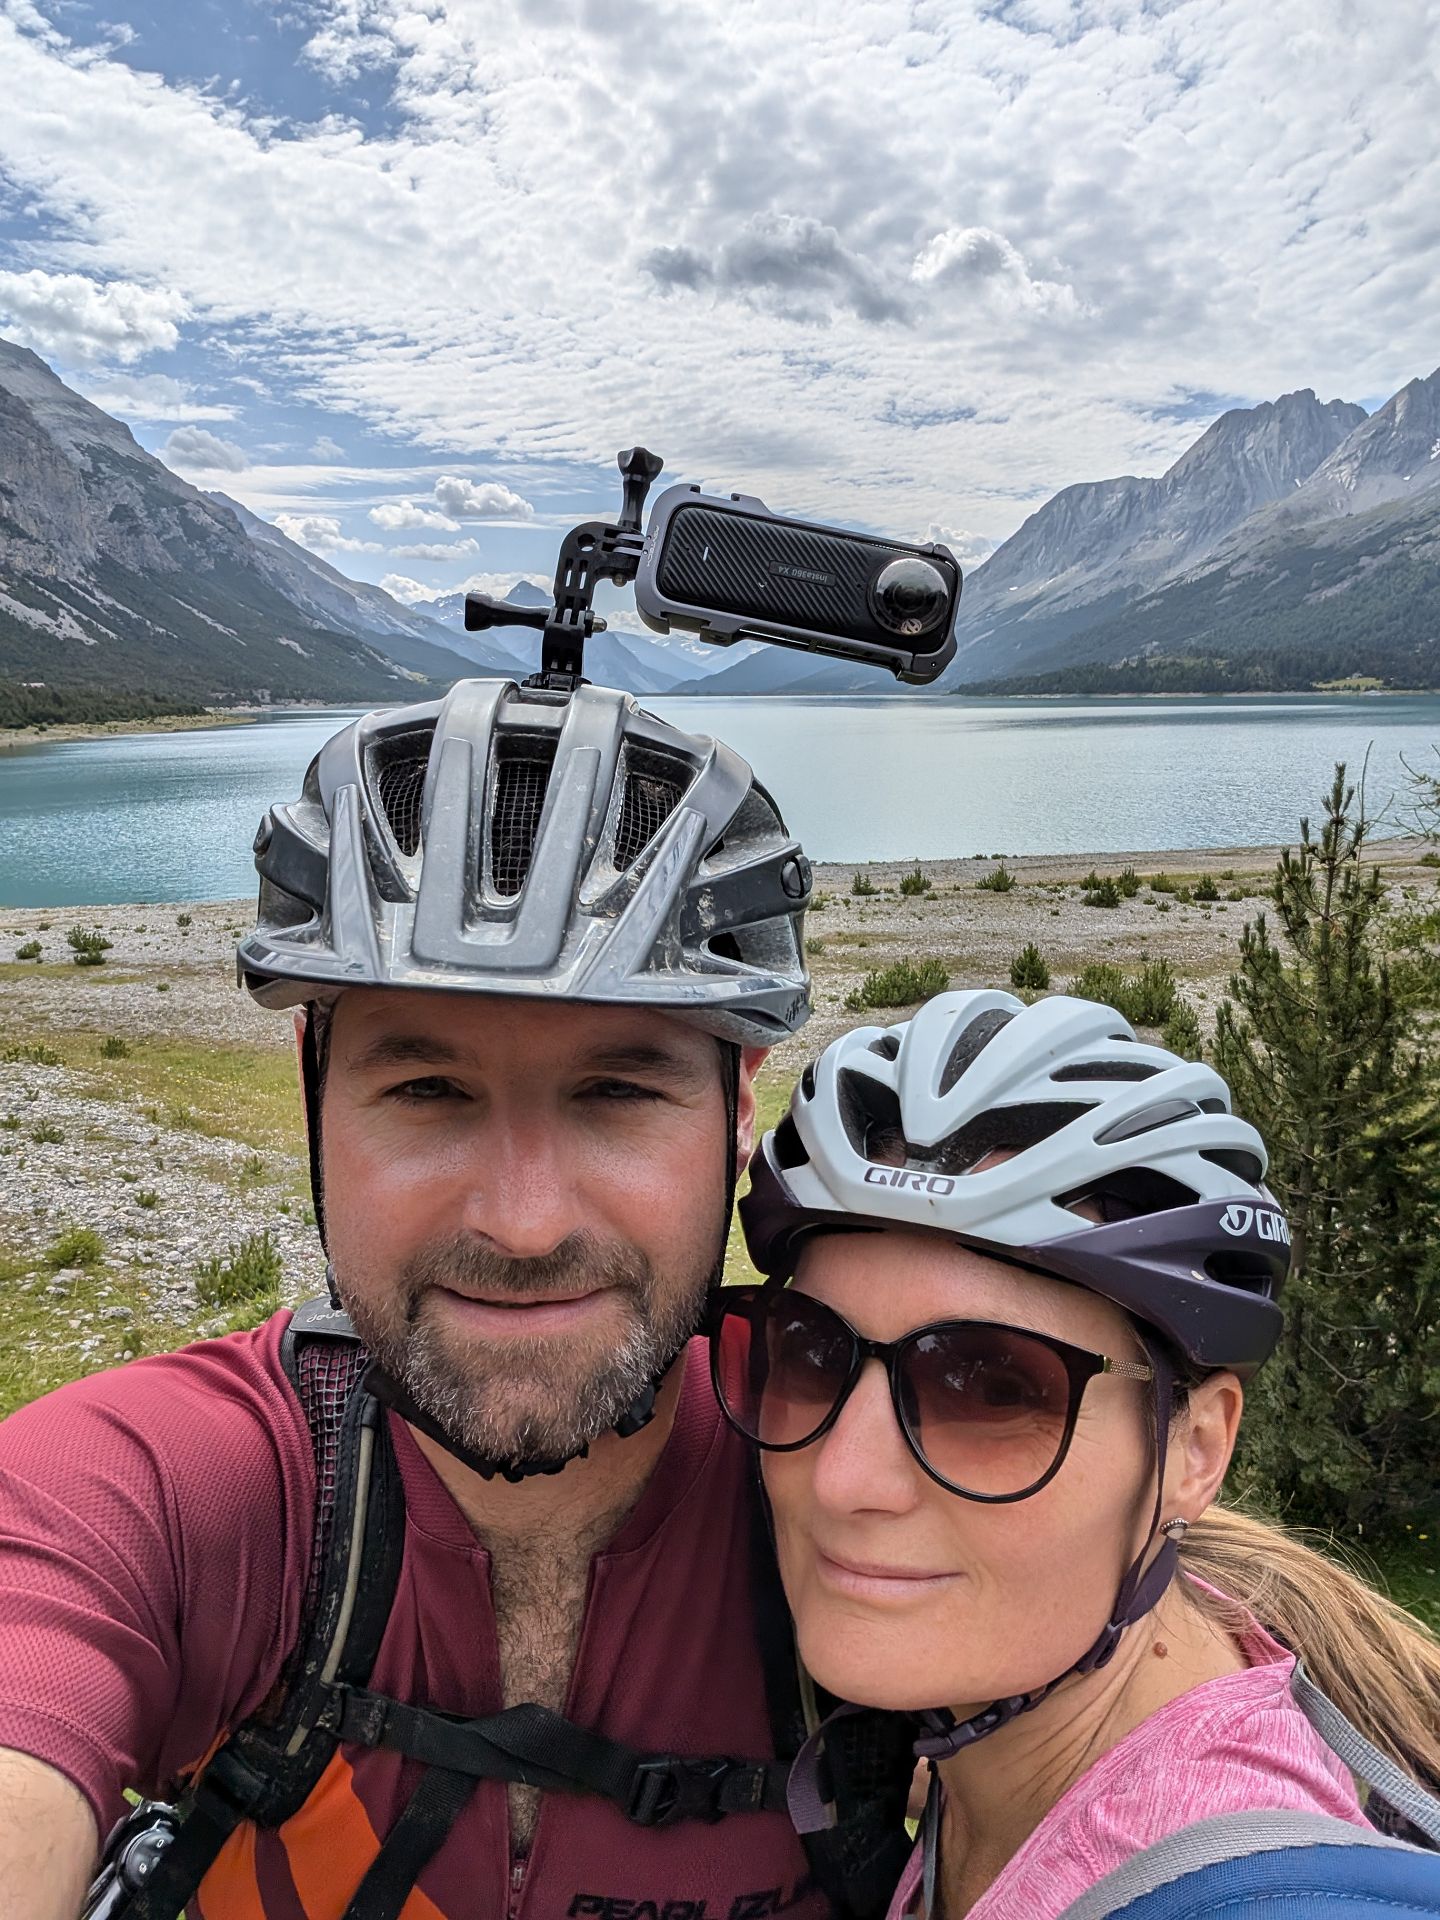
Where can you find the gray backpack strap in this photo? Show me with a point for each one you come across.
(1364, 1759)
(1230, 1836)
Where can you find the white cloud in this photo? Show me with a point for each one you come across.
(321, 532)
(410, 593)
(501, 584)
(980, 261)
(439, 550)
(197, 450)
(463, 499)
(149, 396)
(326, 449)
(984, 250)
(968, 548)
(396, 517)
(68, 316)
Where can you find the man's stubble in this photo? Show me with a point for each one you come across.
(529, 1398)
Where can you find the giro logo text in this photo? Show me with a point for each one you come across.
(932, 1183)
(1266, 1225)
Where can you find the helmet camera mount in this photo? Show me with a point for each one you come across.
(594, 551)
(725, 568)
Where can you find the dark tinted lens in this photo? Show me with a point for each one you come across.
(986, 1406)
(781, 1362)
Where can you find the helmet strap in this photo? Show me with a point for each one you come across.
(942, 1736)
(311, 1082)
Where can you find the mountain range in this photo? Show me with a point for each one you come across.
(1294, 543)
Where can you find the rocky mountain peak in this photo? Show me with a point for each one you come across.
(1394, 452)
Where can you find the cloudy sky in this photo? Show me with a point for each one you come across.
(402, 275)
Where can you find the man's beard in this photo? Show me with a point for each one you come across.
(529, 1398)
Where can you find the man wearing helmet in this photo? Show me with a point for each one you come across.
(358, 1601)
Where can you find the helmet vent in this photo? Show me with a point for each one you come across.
(401, 764)
(1105, 1070)
(1244, 1166)
(522, 775)
(1129, 1193)
(1164, 1114)
(789, 1147)
(887, 1046)
(646, 804)
(871, 1116)
(1246, 1272)
(976, 1037)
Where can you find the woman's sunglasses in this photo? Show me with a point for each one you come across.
(987, 1410)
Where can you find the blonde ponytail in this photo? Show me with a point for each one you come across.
(1378, 1664)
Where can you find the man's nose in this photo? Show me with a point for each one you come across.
(522, 1194)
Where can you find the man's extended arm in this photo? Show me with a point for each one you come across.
(48, 1842)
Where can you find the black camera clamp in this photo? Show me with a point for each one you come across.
(594, 551)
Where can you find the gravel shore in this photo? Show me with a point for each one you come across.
(150, 1100)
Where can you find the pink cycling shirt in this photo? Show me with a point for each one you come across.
(1233, 1745)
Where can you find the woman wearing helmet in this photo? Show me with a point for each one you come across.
(1055, 1245)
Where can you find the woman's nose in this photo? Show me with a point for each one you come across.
(863, 1462)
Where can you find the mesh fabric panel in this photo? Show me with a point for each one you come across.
(400, 786)
(327, 1370)
(645, 806)
(522, 775)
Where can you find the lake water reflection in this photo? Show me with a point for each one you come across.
(171, 816)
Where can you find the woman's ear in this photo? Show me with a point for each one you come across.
(751, 1061)
(1201, 1444)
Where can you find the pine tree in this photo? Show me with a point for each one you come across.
(1343, 1426)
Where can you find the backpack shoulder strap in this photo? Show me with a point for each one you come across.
(1212, 1843)
(1400, 1793)
(266, 1770)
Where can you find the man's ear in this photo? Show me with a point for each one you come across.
(751, 1061)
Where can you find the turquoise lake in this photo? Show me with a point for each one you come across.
(143, 817)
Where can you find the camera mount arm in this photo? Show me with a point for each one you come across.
(594, 551)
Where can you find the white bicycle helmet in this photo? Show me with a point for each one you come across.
(898, 1126)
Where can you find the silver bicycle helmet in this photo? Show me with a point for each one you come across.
(511, 841)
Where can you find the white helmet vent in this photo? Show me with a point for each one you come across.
(1164, 1114)
(1129, 1193)
(972, 1042)
(1105, 1070)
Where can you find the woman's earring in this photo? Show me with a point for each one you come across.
(1175, 1529)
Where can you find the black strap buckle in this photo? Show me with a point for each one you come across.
(668, 1789)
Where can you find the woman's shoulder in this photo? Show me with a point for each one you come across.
(1235, 1744)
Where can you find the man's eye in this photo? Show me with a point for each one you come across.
(431, 1087)
(621, 1090)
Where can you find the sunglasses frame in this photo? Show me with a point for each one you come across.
(1081, 1367)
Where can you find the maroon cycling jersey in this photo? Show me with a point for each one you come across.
(155, 1539)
